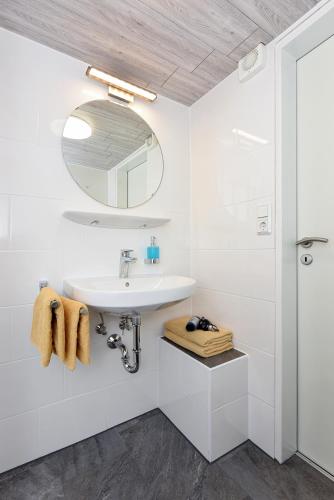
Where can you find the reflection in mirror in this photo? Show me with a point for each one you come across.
(112, 154)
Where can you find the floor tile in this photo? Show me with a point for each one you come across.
(147, 458)
(264, 478)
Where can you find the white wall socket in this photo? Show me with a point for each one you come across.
(263, 220)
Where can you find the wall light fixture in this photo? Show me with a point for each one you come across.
(122, 85)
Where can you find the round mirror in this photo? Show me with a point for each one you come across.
(112, 154)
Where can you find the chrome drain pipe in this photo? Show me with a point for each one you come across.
(115, 341)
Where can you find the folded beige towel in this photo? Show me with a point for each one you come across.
(199, 337)
(77, 333)
(48, 328)
(203, 351)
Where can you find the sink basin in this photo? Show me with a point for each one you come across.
(126, 295)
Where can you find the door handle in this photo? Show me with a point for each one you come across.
(308, 241)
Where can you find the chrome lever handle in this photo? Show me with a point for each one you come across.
(126, 252)
(308, 241)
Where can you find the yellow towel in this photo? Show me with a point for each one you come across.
(48, 329)
(77, 333)
(204, 352)
(199, 337)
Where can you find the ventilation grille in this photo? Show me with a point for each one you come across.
(252, 63)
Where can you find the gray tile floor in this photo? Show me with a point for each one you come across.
(149, 459)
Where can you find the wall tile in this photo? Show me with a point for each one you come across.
(132, 398)
(242, 176)
(247, 273)
(21, 345)
(35, 223)
(34, 170)
(217, 226)
(240, 168)
(4, 222)
(25, 385)
(252, 321)
(5, 334)
(19, 102)
(20, 273)
(71, 420)
(262, 425)
(76, 418)
(15, 328)
(261, 374)
(19, 440)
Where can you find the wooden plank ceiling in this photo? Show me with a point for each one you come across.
(178, 48)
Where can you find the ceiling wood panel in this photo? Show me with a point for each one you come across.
(184, 86)
(217, 23)
(215, 67)
(58, 25)
(274, 16)
(178, 48)
(147, 28)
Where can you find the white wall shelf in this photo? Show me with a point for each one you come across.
(114, 221)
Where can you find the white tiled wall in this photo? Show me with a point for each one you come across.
(235, 268)
(42, 409)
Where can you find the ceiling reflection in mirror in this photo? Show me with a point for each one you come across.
(112, 154)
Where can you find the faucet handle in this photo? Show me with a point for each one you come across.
(126, 252)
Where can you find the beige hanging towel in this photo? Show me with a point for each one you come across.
(48, 327)
(77, 343)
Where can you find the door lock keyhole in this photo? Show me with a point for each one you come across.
(306, 259)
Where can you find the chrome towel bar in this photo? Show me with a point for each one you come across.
(54, 303)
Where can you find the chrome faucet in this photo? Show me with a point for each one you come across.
(124, 262)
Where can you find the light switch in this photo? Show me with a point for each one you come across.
(263, 219)
(262, 211)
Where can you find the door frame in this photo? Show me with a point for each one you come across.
(313, 29)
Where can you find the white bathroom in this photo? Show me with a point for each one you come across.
(165, 200)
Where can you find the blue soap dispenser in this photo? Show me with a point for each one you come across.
(153, 252)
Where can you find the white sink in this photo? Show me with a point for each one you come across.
(126, 295)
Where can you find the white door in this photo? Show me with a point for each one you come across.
(315, 202)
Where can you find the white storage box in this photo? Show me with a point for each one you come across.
(205, 398)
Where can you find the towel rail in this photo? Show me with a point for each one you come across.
(54, 303)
